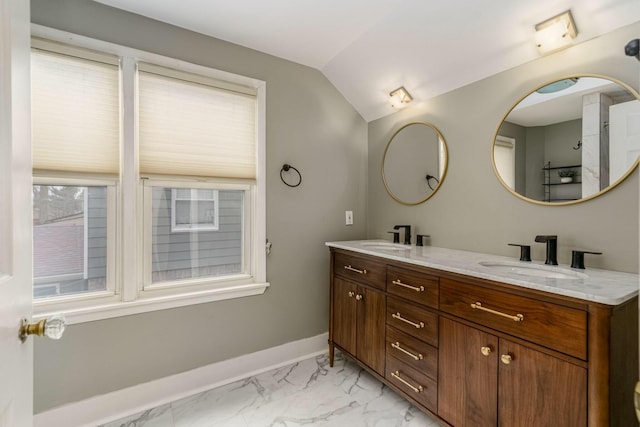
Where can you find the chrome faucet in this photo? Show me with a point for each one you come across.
(407, 233)
(552, 248)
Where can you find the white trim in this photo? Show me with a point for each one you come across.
(85, 222)
(141, 56)
(94, 308)
(112, 406)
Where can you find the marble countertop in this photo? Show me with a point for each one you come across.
(602, 286)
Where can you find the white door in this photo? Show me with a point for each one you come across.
(624, 129)
(16, 359)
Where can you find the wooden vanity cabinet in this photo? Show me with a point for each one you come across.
(479, 353)
(358, 314)
(359, 322)
(487, 381)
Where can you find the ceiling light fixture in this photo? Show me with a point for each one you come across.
(400, 97)
(555, 33)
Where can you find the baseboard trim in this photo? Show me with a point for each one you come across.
(108, 407)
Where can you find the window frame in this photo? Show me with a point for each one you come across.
(129, 295)
(203, 283)
(67, 302)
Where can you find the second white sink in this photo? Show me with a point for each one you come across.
(534, 270)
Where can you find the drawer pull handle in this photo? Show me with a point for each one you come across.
(414, 324)
(396, 345)
(351, 294)
(506, 358)
(486, 351)
(404, 285)
(397, 376)
(517, 318)
(355, 270)
(359, 297)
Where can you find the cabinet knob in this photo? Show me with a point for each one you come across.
(506, 358)
(358, 297)
(485, 350)
(351, 294)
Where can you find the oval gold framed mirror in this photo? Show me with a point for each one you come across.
(568, 140)
(414, 163)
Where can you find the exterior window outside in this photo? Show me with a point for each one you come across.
(194, 209)
(196, 233)
(69, 240)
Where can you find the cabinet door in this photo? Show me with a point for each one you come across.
(467, 376)
(344, 314)
(371, 328)
(536, 389)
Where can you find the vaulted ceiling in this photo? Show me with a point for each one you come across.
(367, 48)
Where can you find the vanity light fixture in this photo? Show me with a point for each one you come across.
(400, 97)
(555, 33)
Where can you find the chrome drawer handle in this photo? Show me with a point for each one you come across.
(414, 324)
(397, 376)
(396, 345)
(517, 318)
(404, 285)
(355, 270)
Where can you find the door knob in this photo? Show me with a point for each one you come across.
(52, 327)
(506, 358)
(485, 350)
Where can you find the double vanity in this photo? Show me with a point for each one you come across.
(485, 340)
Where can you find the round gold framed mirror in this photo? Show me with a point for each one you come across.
(568, 140)
(414, 163)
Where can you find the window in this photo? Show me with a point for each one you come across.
(70, 240)
(148, 180)
(192, 209)
(75, 133)
(213, 254)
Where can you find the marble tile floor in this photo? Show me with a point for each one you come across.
(307, 393)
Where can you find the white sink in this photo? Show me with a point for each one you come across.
(384, 246)
(534, 270)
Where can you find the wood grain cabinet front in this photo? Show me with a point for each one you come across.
(358, 322)
(484, 380)
(361, 269)
(478, 353)
(551, 325)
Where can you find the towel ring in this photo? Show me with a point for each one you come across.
(286, 168)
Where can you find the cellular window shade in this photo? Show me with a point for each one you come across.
(195, 129)
(75, 113)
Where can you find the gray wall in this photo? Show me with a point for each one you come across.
(468, 118)
(309, 125)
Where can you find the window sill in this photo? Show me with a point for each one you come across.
(106, 310)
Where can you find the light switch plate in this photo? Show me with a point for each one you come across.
(349, 217)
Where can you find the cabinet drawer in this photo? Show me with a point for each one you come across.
(417, 322)
(413, 383)
(412, 352)
(364, 270)
(554, 326)
(421, 288)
